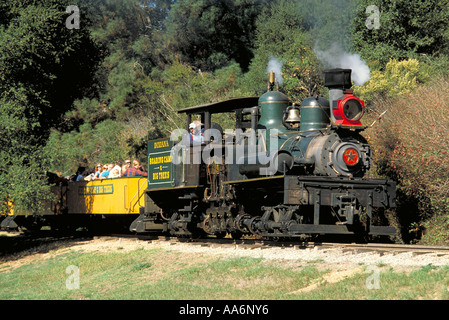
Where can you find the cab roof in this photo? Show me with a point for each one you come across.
(229, 105)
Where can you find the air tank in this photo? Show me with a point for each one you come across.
(314, 114)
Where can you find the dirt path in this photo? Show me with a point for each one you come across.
(342, 263)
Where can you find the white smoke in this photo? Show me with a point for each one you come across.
(336, 57)
(275, 65)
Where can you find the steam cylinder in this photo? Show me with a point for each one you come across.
(272, 106)
(314, 114)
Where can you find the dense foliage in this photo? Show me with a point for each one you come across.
(44, 67)
(98, 93)
(412, 146)
(407, 29)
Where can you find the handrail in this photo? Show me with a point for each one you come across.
(137, 194)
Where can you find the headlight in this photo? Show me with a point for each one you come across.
(351, 108)
(349, 111)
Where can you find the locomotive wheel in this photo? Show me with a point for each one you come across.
(236, 235)
(195, 233)
(185, 227)
(221, 235)
(32, 224)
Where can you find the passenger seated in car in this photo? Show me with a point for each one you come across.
(99, 170)
(118, 167)
(135, 170)
(114, 173)
(90, 176)
(79, 175)
(106, 171)
(126, 165)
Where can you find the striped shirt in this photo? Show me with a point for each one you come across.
(133, 172)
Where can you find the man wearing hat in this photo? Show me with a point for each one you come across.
(196, 136)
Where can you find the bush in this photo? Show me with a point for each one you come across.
(411, 146)
(398, 77)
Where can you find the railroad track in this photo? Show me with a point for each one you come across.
(250, 244)
(390, 248)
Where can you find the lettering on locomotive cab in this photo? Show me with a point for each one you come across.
(160, 163)
(159, 160)
(161, 175)
(161, 144)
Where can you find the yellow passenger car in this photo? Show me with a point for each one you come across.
(108, 196)
(108, 204)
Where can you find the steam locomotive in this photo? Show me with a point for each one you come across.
(284, 170)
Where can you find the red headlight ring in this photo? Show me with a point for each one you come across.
(351, 109)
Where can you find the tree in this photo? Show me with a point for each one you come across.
(281, 36)
(328, 22)
(39, 53)
(43, 67)
(208, 34)
(407, 29)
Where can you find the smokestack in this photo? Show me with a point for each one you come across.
(338, 78)
(338, 81)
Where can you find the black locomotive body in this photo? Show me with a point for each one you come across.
(283, 171)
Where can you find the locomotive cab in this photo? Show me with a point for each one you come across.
(238, 106)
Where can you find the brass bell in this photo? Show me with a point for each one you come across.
(293, 116)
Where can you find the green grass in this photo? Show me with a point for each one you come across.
(159, 274)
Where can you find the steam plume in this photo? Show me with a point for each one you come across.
(274, 65)
(336, 57)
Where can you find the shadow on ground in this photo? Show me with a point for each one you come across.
(19, 245)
